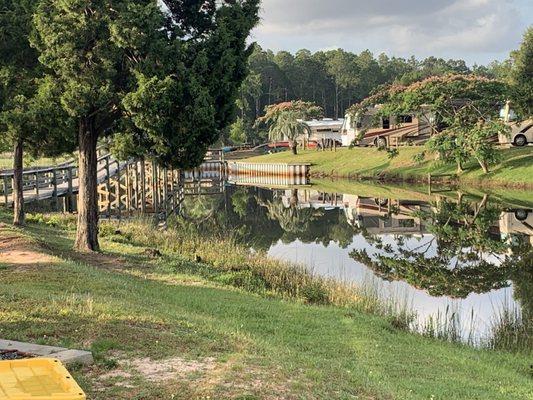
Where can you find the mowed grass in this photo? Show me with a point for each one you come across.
(125, 305)
(6, 161)
(515, 168)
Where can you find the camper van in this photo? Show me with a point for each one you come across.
(521, 132)
(371, 129)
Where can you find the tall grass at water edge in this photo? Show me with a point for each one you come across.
(223, 260)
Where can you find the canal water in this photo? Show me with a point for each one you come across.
(448, 256)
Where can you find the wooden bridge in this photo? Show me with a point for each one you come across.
(124, 187)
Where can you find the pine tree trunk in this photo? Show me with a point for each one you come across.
(18, 189)
(336, 102)
(87, 234)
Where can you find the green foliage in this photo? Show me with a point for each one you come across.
(461, 263)
(303, 110)
(237, 132)
(27, 107)
(337, 79)
(522, 76)
(288, 126)
(140, 78)
(286, 120)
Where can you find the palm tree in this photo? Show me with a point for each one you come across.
(288, 126)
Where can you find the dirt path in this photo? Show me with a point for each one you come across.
(20, 251)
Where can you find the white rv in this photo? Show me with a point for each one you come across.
(371, 129)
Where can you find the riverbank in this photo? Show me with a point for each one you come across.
(514, 171)
(179, 321)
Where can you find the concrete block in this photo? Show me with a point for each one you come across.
(31, 348)
(74, 357)
(66, 356)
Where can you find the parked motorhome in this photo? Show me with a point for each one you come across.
(371, 129)
(376, 217)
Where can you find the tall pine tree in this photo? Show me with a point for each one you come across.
(163, 82)
(30, 121)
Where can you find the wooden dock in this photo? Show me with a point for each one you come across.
(279, 175)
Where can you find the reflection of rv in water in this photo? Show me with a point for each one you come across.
(383, 216)
(371, 129)
(311, 199)
(517, 226)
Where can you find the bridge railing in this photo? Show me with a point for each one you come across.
(124, 187)
(39, 182)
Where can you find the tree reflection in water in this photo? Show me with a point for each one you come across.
(292, 219)
(465, 254)
(459, 250)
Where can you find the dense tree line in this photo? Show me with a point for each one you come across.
(337, 79)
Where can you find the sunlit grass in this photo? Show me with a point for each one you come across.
(6, 161)
(515, 169)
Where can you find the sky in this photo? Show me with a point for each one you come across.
(477, 31)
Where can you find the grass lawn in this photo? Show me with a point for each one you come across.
(160, 331)
(515, 169)
(6, 161)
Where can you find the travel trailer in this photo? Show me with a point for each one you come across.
(371, 129)
(325, 129)
(321, 132)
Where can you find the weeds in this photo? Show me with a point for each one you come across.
(511, 330)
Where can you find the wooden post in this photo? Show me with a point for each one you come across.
(108, 186)
(165, 187)
(155, 187)
(143, 187)
(6, 195)
(173, 188)
(117, 192)
(54, 184)
(136, 187)
(128, 189)
(69, 195)
(37, 184)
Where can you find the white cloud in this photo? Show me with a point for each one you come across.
(476, 30)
